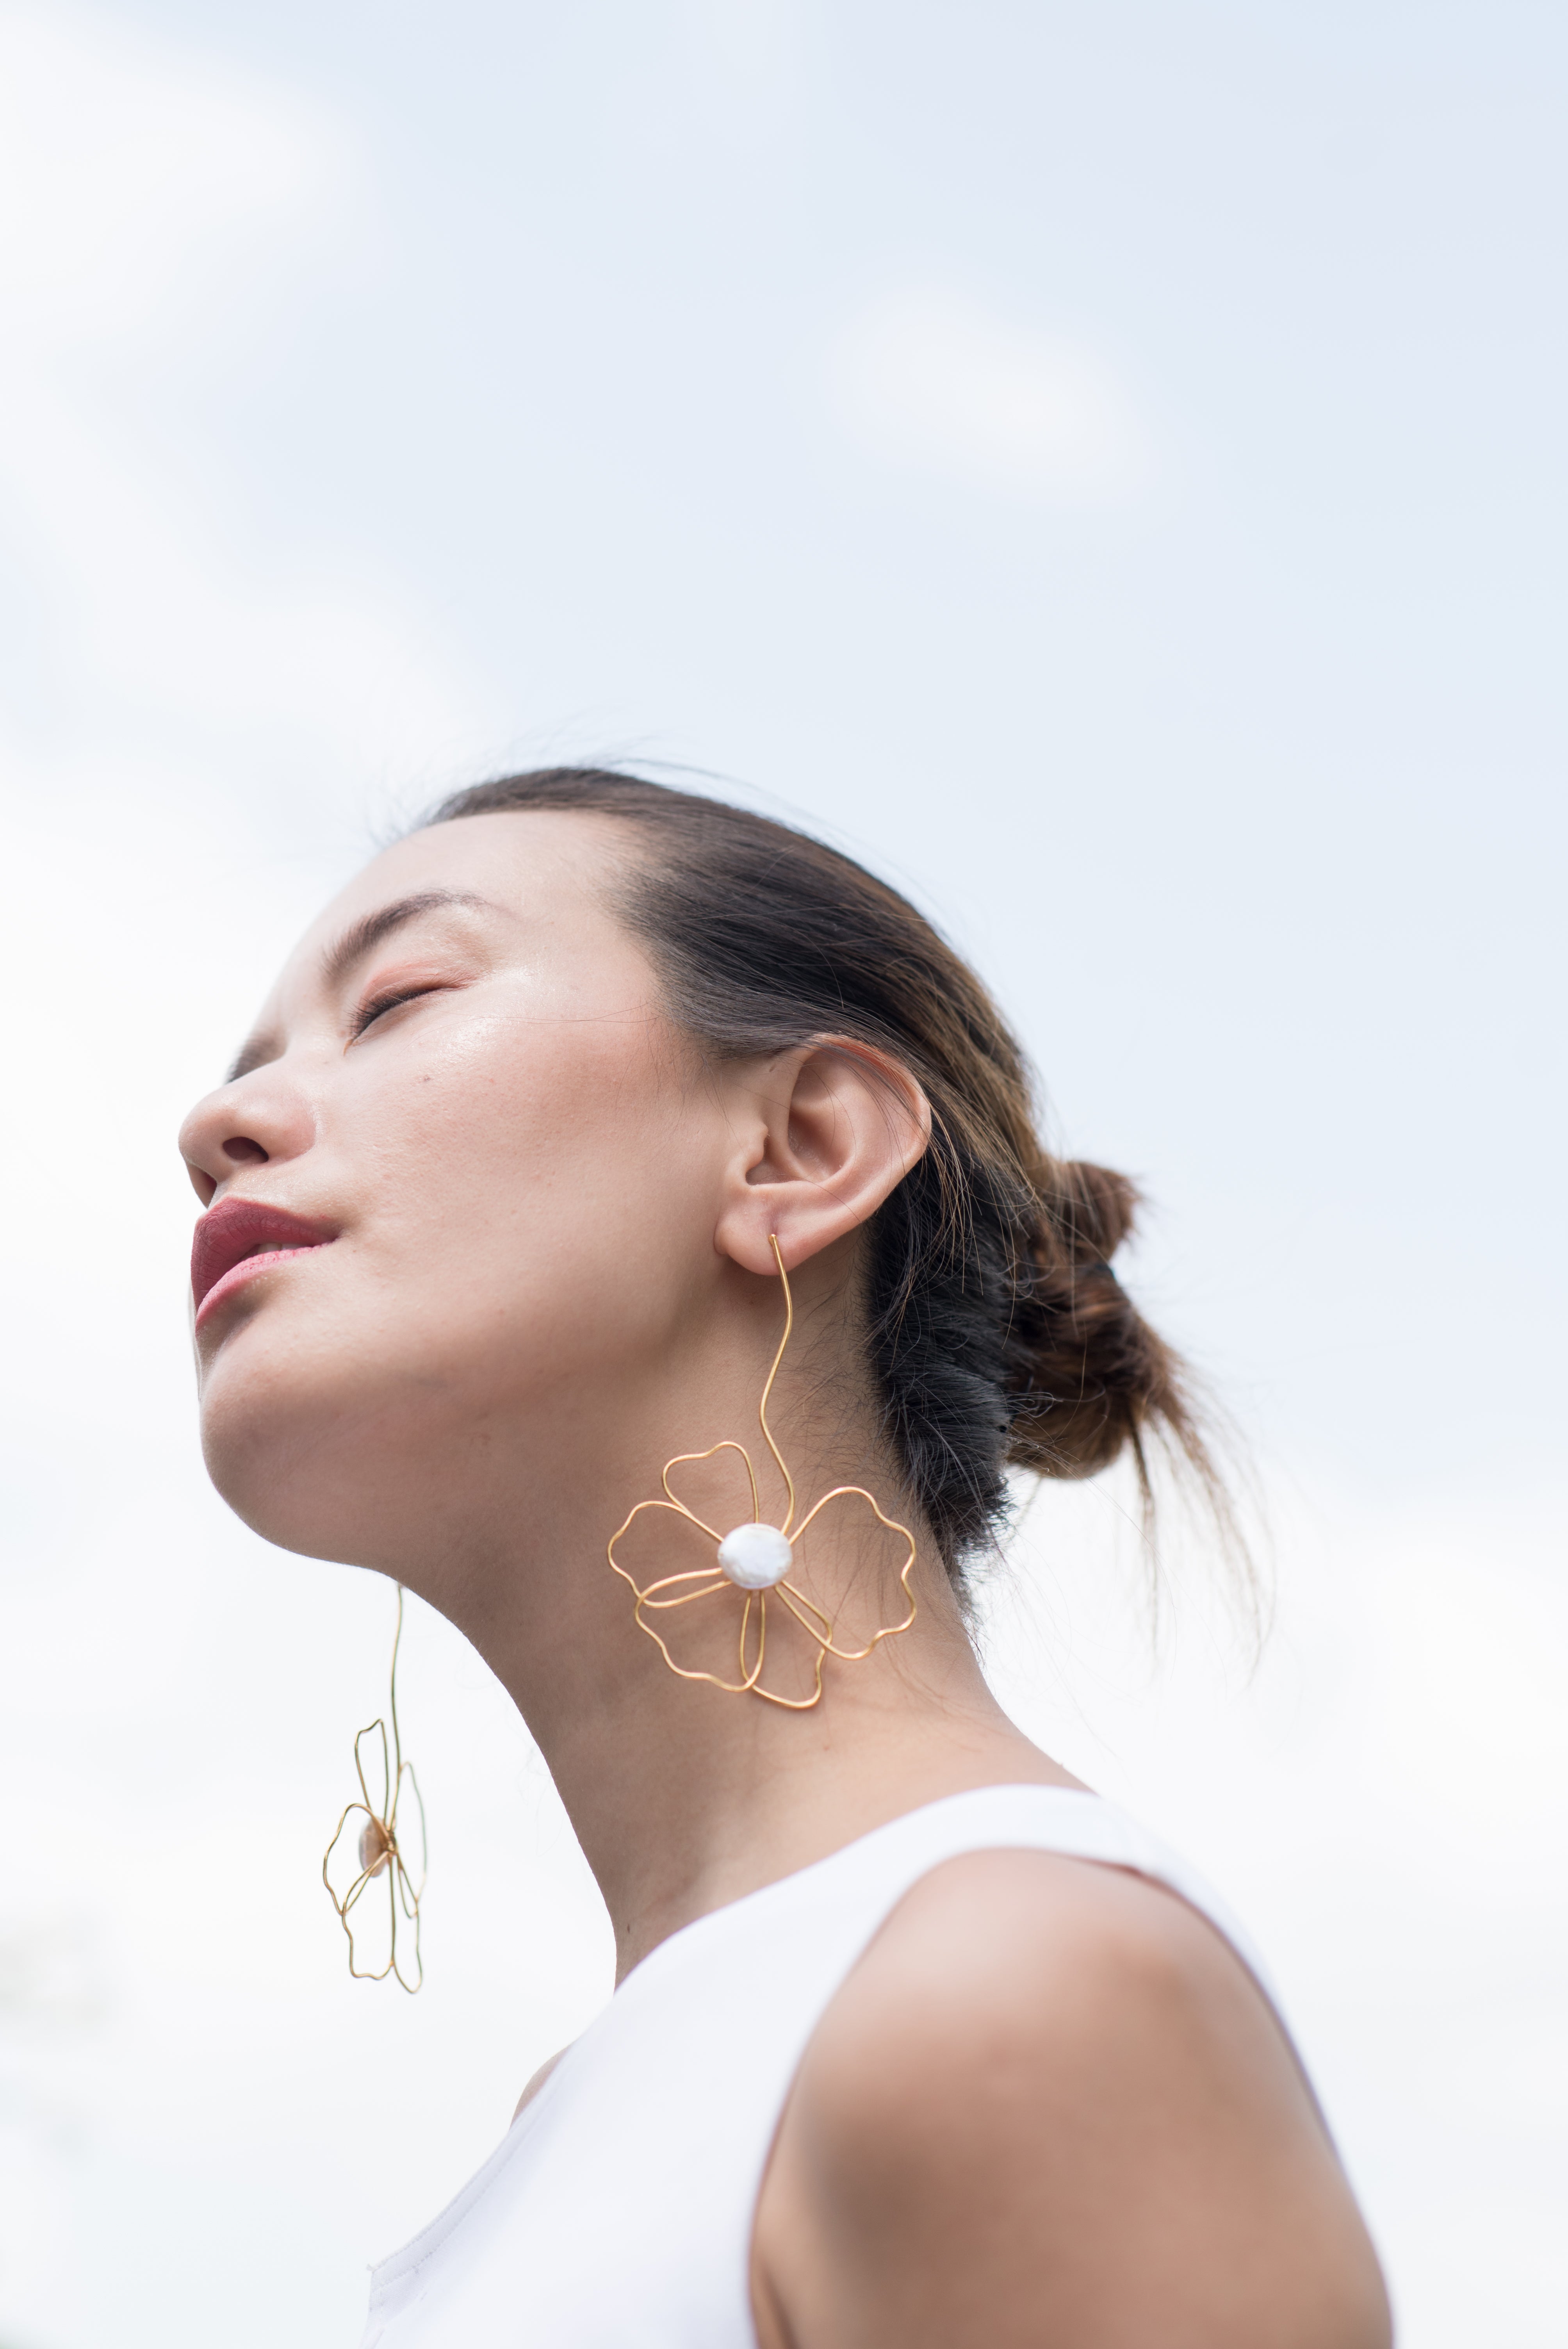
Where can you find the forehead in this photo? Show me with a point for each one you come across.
(549, 875)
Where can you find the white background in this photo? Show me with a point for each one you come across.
(1106, 466)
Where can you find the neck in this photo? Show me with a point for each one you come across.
(685, 1797)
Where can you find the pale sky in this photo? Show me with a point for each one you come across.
(1106, 467)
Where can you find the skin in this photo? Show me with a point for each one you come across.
(552, 1271)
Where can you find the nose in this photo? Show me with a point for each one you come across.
(258, 1118)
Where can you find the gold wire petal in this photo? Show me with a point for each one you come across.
(680, 1460)
(346, 1908)
(407, 1772)
(332, 1847)
(887, 1631)
(378, 1810)
(367, 1876)
(397, 1962)
(733, 1688)
(713, 1582)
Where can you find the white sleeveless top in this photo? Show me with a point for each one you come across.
(618, 2209)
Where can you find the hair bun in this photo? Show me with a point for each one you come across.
(1088, 1210)
(1092, 1376)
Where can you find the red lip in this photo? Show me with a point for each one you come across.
(240, 1238)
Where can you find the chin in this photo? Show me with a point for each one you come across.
(318, 1457)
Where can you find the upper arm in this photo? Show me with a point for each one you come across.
(1050, 2107)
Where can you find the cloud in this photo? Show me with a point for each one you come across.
(128, 167)
(931, 378)
(755, 43)
(160, 215)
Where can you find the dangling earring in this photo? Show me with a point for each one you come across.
(380, 1852)
(756, 1559)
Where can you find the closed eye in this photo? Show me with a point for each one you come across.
(380, 1004)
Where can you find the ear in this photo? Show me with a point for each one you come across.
(822, 1134)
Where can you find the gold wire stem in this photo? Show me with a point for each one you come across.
(767, 1389)
(813, 1619)
(392, 1709)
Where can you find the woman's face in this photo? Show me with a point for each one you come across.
(462, 1185)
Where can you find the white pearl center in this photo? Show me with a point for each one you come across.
(756, 1557)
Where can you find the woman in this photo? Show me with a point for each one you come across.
(915, 2042)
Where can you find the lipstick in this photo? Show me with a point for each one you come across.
(240, 1239)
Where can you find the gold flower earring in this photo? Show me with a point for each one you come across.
(380, 1851)
(756, 1559)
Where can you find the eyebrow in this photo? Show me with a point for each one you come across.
(371, 928)
(355, 942)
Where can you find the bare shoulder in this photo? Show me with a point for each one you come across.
(536, 2080)
(1050, 2105)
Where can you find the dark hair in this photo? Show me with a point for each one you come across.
(997, 1332)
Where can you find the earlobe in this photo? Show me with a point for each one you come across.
(836, 1127)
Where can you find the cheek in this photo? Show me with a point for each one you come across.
(535, 1188)
(490, 1130)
